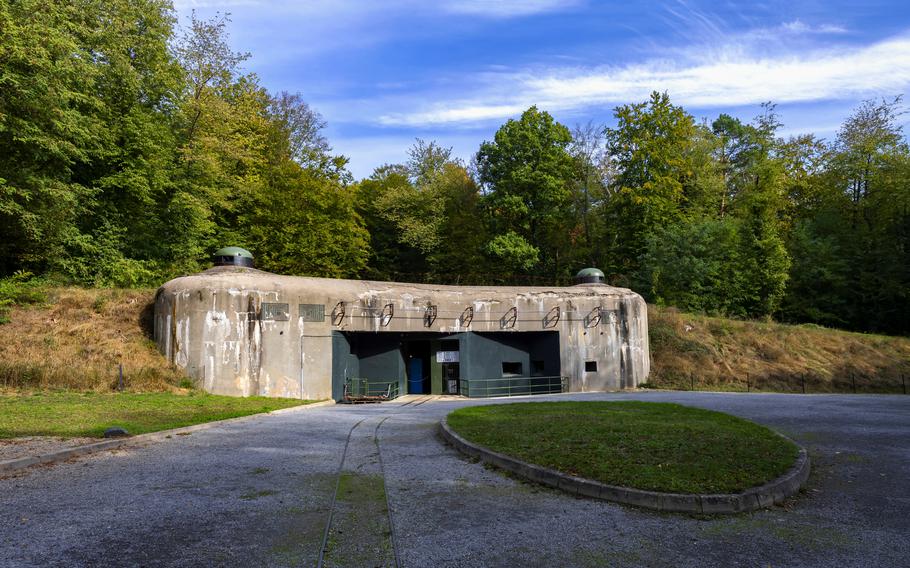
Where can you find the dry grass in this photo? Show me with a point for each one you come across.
(723, 354)
(77, 340)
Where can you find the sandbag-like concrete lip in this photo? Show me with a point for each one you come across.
(10, 466)
(765, 495)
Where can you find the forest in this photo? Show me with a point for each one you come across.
(131, 148)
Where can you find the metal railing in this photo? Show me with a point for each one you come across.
(369, 390)
(511, 386)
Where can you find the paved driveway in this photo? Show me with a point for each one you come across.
(260, 493)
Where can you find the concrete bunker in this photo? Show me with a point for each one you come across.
(241, 331)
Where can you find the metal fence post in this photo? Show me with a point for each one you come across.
(804, 384)
(853, 381)
(692, 380)
(748, 385)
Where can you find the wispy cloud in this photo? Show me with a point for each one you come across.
(798, 27)
(724, 77)
(506, 8)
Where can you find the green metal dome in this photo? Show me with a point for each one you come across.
(233, 251)
(590, 276)
(584, 272)
(233, 256)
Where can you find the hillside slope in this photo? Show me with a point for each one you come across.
(722, 354)
(78, 337)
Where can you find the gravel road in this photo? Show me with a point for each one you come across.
(259, 493)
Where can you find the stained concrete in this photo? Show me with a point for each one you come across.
(241, 331)
(257, 493)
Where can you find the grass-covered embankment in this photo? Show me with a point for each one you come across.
(76, 338)
(642, 445)
(68, 414)
(723, 354)
(60, 355)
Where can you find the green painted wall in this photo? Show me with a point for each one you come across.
(344, 364)
(482, 356)
(435, 369)
(371, 356)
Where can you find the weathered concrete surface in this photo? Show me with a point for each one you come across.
(256, 493)
(213, 325)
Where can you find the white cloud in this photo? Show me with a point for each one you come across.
(506, 8)
(725, 77)
(798, 27)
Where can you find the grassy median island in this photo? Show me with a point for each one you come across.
(70, 414)
(643, 445)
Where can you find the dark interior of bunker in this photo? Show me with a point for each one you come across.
(469, 363)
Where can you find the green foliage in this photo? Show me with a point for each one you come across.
(697, 267)
(20, 289)
(658, 160)
(513, 251)
(432, 206)
(131, 152)
(527, 170)
(307, 226)
(132, 149)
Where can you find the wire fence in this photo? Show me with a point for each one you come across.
(797, 383)
(511, 386)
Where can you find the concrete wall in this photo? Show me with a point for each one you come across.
(217, 325)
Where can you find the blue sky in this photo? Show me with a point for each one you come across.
(385, 72)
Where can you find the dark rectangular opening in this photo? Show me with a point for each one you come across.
(590, 366)
(511, 368)
(417, 360)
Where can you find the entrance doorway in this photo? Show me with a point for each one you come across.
(450, 377)
(417, 357)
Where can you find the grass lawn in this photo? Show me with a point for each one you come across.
(644, 445)
(70, 414)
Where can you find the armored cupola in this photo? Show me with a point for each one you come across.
(233, 256)
(589, 276)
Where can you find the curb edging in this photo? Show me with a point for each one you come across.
(13, 465)
(754, 498)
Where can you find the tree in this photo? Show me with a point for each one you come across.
(431, 205)
(85, 103)
(695, 266)
(305, 225)
(589, 190)
(299, 135)
(653, 149)
(868, 179)
(225, 140)
(49, 126)
(758, 187)
(527, 172)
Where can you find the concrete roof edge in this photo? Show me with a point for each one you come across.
(226, 275)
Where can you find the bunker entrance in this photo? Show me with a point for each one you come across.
(388, 364)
